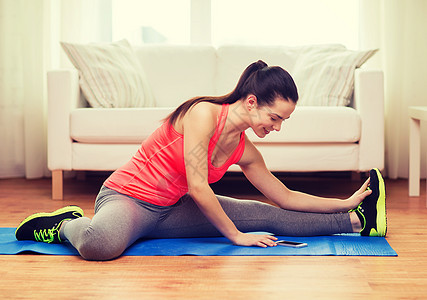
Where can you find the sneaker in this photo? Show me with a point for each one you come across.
(372, 211)
(44, 227)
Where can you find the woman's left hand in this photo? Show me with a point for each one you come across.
(359, 195)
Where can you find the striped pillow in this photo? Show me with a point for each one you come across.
(110, 74)
(325, 75)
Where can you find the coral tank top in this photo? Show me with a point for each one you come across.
(157, 174)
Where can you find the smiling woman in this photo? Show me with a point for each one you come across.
(164, 190)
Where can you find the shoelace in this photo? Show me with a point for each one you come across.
(47, 235)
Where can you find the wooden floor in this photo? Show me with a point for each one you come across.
(190, 277)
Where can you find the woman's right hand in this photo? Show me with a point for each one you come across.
(249, 239)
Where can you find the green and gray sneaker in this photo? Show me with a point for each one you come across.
(44, 227)
(372, 210)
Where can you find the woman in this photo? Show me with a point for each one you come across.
(164, 192)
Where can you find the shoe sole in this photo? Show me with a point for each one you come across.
(63, 210)
(381, 207)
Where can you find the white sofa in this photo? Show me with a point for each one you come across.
(315, 138)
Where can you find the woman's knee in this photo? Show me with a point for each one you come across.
(98, 246)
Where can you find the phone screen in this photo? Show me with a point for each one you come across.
(291, 244)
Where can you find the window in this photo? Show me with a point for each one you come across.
(268, 22)
(286, 22)
(151, 21)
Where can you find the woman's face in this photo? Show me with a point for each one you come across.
(265, 119)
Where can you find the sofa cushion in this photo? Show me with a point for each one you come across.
(307, 124)
(316, 125)
(115, 125)
(324, 74)
(232, 61)
(110, 74)
(178, 73)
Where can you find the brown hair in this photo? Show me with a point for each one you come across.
(265, 82)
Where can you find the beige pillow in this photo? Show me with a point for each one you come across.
(325, 75)
(110, 74)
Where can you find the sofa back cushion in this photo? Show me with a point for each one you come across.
(232, 61)
(178, 73)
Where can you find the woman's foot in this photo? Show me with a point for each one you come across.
(44, 227)
(372, 210)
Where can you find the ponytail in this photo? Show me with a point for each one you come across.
(265, 82)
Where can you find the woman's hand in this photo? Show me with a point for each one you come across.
(359, 195)
(260, 240)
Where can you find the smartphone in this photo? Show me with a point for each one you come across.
(291, 244)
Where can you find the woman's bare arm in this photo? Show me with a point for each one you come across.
(254, 168)
(199, 124)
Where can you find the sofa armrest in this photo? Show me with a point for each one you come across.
(63, 96)
(369, 102)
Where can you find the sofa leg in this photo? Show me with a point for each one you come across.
(356, 176)
(359, 176)
(57, 185)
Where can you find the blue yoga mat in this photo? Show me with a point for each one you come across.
(343, 245)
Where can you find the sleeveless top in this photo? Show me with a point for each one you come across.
(157, 174)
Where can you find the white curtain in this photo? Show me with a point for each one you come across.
(30, 31)
(399, 29)
(22, 93)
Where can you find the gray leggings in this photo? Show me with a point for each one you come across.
(120, 220)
